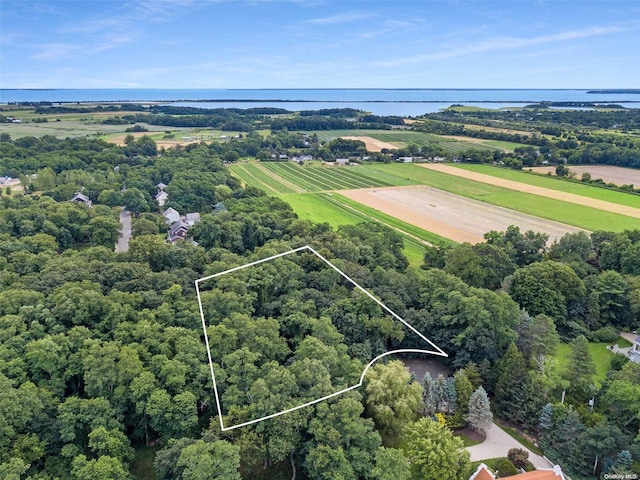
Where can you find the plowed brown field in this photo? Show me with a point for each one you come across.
(452, 216)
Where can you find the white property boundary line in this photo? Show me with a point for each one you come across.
(438, 351)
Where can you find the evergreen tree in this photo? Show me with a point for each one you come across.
(509, 393)
(580, 370)
(428, 395)
(479, 416)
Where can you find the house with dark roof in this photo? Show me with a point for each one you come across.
(178, 231)
(81, 198)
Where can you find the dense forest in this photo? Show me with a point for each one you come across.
(102, 354)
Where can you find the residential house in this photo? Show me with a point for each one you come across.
(179, 224)
(161, 186)
(342, 161)
(191, 218)
(178, 231)
(555, 473)
(171, 216)
(81, 198)
(161, 198)
(405, 159)
(634, 353)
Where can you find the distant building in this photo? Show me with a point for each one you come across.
(161, 198)
(178, 231)
(179, 225)
(191, 218)
(171, 216)
(405, 159)
(81, 198)
(341, 161)
(161, 186)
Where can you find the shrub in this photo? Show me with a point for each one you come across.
(504, 468)
(518, 457)
(604, 334)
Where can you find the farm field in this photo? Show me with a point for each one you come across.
(608, 173)
(286, 177)
(555, 183)
(452, 216)
(402, 138)
(535, 190)
(337, 210)
(583, 217)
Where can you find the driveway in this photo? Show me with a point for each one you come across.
(498, 443)
(125, 235)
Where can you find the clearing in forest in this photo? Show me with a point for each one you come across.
(309, 332)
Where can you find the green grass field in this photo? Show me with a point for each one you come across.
(337, 210)
(599, 353)
(572, 214)
(402, 138)
(314, 178)
(555, 183)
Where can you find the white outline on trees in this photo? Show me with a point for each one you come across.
(438, 351)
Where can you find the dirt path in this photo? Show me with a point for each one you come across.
(541, 191)
(449, 215)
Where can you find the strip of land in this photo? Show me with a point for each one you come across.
(372, 144)
(535, 190)
(608, 173)
(451, 216)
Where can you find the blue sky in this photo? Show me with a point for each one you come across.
(319, 44)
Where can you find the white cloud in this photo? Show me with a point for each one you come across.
(340, 18)
(54, 51)
(500, 43)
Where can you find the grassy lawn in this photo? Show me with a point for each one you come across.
(599, 353)
(555, 183)
(572, 214)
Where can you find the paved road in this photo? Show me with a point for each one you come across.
(629, 336)
(125, 235)
(498, 443)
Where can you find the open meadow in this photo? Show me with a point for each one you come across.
(539, 190)
(451, 216)
(399, 138)
(556, 183)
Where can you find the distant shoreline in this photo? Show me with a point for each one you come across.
(632, 91)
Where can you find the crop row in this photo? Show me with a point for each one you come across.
(324, 178)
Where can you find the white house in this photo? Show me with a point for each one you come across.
(634, 353)
(171, 216)
(161, 197)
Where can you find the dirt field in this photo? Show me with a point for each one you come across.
(610, 174)
(543, 192)
(372, 144)
(452, 216)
